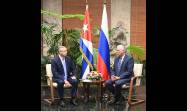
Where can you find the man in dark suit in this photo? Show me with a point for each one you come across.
(63, 70)
(121, 74)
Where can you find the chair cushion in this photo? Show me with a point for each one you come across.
(65, 86)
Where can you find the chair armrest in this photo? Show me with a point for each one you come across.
(48, 77)
(135, 77)
(50, 80)
(131, 87)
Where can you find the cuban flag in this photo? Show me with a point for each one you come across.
(86, 47)
(103, 59)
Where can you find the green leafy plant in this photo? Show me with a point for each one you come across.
(65, 16)
(67, 37)
(96, 30)
(50, 38)
(70, 39)
(95, 53)
(137, 52)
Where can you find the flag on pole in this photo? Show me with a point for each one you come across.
(103, 60)
(86, 47)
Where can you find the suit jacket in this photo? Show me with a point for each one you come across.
(126, 70)
(58, 70)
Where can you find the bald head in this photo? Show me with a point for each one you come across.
(62, 51)
(61, 47)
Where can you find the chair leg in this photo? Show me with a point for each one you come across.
(127, 107)
(48, 101)
(130, 99)
(52, 98)
(137, 101)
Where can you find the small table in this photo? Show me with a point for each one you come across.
(86, 86)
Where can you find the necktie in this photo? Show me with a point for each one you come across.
(64, 66)
(119, 65)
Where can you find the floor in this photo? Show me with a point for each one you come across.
(93, 105)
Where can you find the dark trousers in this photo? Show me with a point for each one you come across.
(116, 90)
(60, 88)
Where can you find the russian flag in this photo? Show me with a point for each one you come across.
(86, 47)
(103, 61)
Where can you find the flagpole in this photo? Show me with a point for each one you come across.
(91, 67)
(86, 5)
(104, 1)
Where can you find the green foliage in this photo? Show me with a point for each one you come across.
(70, 39)
(50, 38)
(96, 30)
(137, 52)
(44, 60)
(95, 53)
(65, 16)
(66, 37)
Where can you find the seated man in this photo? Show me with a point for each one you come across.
(63, 71)
(121, 74)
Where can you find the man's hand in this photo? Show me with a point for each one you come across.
(67, 83)
(73, 77)
(117, 78)
(114, 78)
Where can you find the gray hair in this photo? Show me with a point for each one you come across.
(121, 47)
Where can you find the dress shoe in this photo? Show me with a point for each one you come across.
(112, 101)
(73, 101)
(120, 100)
(62, 104)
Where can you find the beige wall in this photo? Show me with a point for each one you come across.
(56, 7)
(120, 14)
(53, 6)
